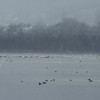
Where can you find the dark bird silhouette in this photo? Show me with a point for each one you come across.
(44, 82)
(90, 80)
(21, 81)
(40, 83)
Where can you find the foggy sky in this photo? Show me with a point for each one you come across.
(49, 11)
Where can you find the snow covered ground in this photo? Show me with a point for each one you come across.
(49, 77)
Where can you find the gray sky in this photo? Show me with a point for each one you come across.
(50, 11)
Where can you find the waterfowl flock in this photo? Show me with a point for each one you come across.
(70, 68)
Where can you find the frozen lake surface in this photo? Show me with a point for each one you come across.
(49, 77)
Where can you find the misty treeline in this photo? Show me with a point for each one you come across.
(67, 36)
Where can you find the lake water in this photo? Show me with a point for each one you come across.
(49, 77)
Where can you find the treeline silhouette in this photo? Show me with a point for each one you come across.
(67, 36)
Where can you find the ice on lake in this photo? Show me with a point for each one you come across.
(49, 77)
